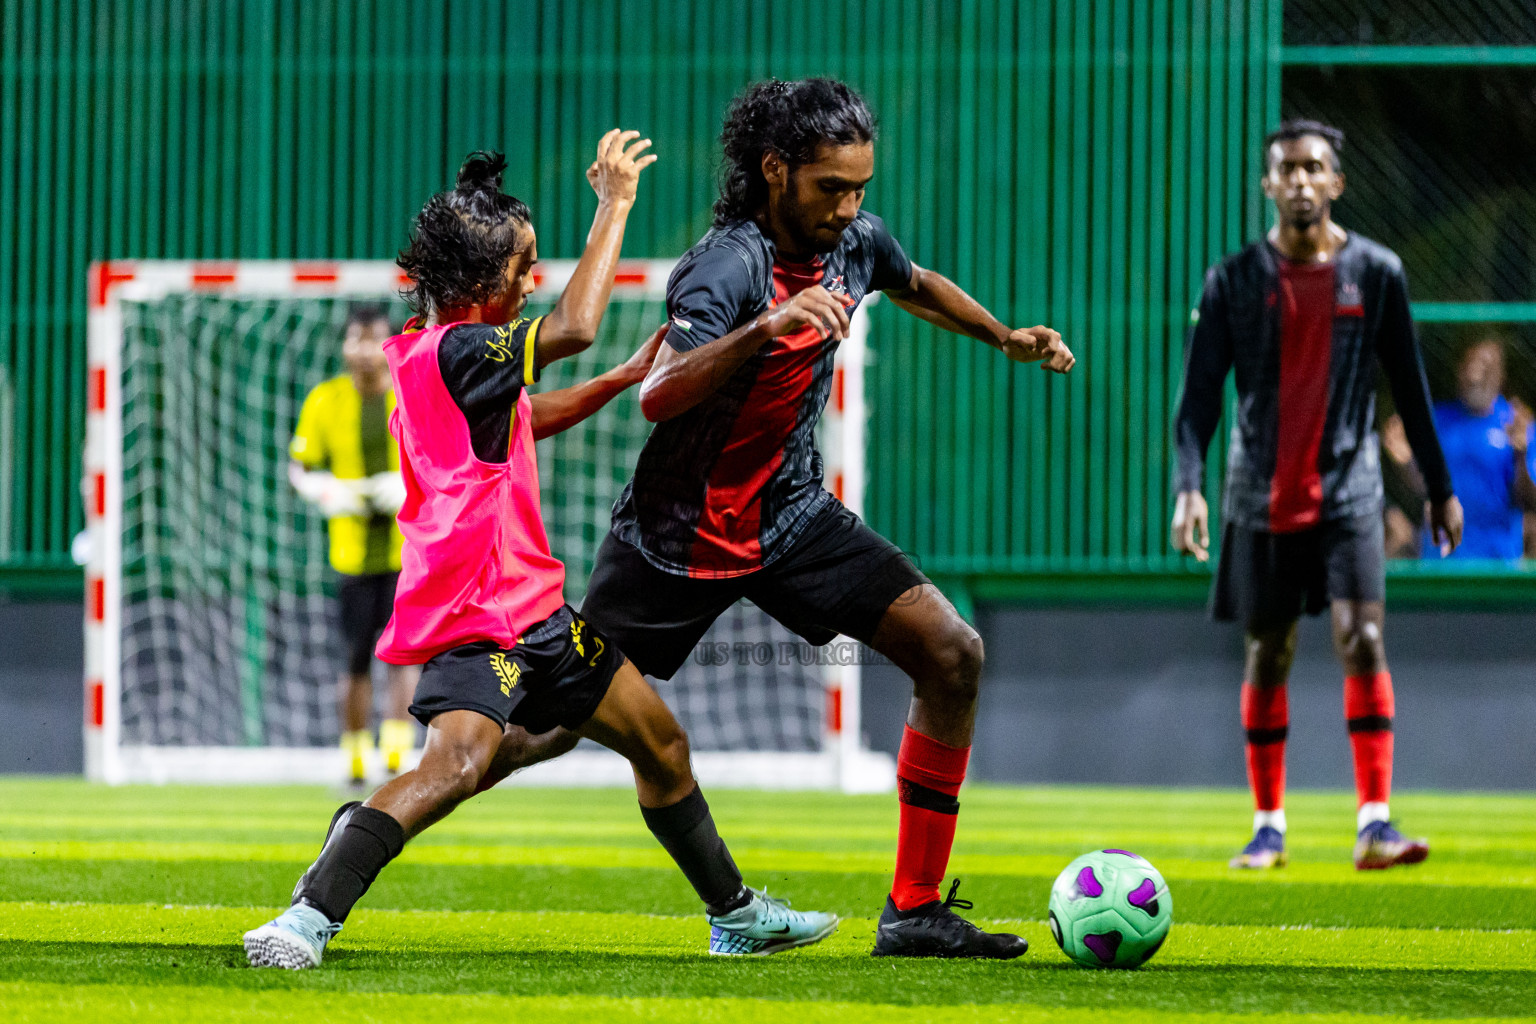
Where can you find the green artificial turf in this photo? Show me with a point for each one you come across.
(128, 904)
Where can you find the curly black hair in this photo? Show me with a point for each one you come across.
(462, 239)
(1299, 127)
(792, 119)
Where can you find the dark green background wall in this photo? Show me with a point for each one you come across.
(1140, 125)
(1076, 163)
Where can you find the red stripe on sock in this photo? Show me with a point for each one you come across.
(925, 837)
(1373, 766)
(1266, 775)
(928, 762)
(1371, 696)
(1266, 707)
(922, 855)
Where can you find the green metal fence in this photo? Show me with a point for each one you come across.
(1435, 96)
(1144, 123)
(1074, 162)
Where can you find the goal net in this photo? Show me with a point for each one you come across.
(213, 648)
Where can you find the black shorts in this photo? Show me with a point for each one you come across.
(838, 577)
(367, 602)
(557, 674)
(1265, 580)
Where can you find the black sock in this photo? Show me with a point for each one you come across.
(361, 841)
(687, 830)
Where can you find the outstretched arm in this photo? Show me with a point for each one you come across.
(935, 298)
(557, 411)
(615, 174)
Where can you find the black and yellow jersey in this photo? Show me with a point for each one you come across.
(341, 432)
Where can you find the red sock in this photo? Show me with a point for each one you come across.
(1266, 720)
(1368, 708)
(928, 777)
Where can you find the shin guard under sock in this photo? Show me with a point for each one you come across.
(1368, 710)
(1266, 723)
(362, 840)
(928, 778)
(687, 830)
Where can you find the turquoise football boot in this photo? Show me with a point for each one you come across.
(765, 926)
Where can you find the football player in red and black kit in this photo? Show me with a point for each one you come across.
(1304, 318)
(727, 499)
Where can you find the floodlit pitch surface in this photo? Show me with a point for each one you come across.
(128, 905)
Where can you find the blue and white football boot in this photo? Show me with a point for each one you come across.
(1265, 850)
(1382, 846)
(296, 939)
(765, 926)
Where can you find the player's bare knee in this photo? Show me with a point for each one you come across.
(1360, 647)
(452, 779)
(464, 783)
(957, 659)
(672, 754)
(665, 770)
(1269, 667)
(1270, 652)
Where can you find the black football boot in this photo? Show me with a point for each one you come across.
(934, 929)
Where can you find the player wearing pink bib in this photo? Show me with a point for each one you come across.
(479, 602)
(476, 564)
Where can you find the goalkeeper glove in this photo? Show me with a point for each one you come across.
(386, 492)
(331, 496)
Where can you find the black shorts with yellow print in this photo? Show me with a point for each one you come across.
(557, 674)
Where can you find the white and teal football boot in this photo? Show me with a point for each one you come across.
(296, 939)
(766, 925)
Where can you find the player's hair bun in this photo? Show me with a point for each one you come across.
(463, 238)
(482, 171)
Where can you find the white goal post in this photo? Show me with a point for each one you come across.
(113, 755)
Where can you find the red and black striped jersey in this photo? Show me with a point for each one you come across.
(1306, 347)
(722, 489)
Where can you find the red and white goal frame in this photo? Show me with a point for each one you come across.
(843, 763)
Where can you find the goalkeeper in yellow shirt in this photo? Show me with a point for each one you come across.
(347, 465)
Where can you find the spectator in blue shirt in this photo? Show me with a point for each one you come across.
(1487, 441)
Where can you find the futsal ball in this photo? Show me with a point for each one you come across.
(1110, 908)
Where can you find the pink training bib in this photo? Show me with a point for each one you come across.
(476, 563)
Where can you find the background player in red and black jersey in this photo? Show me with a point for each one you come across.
(727, 501)
(1305, 317)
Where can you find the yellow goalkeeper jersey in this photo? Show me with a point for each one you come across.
(347, 435)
